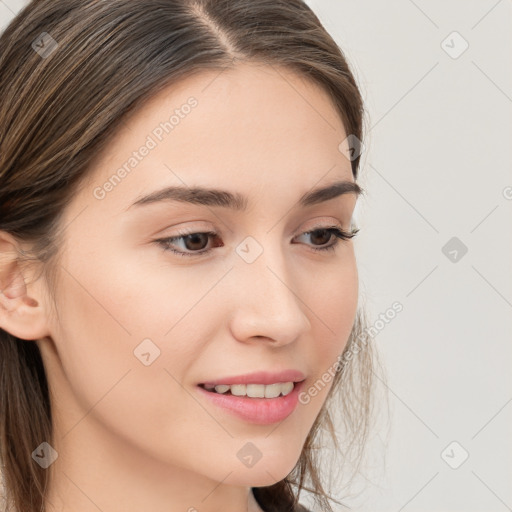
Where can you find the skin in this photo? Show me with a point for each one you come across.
(133, 437)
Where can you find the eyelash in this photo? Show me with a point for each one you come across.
(333, 230)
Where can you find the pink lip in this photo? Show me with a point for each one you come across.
(260, 378)
(262, 411)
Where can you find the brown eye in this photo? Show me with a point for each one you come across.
(195, 241)
(193, 244)
(321, 236)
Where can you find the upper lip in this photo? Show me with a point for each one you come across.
(261, 377)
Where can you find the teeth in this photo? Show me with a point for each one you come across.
(222, 388)
(255, 390)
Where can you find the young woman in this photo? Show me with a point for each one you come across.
(179, 292)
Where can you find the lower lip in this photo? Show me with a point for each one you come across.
(261, 411)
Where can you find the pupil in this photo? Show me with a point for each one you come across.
(324, 232)
(194, 237)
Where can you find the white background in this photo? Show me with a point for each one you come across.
(437, 165)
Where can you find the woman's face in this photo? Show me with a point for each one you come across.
(139, 327)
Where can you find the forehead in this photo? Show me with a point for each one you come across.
(252, 128)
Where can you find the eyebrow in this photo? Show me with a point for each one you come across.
(225, 199)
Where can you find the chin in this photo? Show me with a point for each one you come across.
(262, 474)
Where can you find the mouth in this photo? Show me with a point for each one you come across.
(274, 390)
(274, 403)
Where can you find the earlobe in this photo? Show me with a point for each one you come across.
(21, 314)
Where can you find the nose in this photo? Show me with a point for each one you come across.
(266, 301)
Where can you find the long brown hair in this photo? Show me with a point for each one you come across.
(70, 72)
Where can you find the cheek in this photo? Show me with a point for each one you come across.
(105, 313)
(333, 302)
(141, 406)
(332, 297)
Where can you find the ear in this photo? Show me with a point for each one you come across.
(21, 309)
